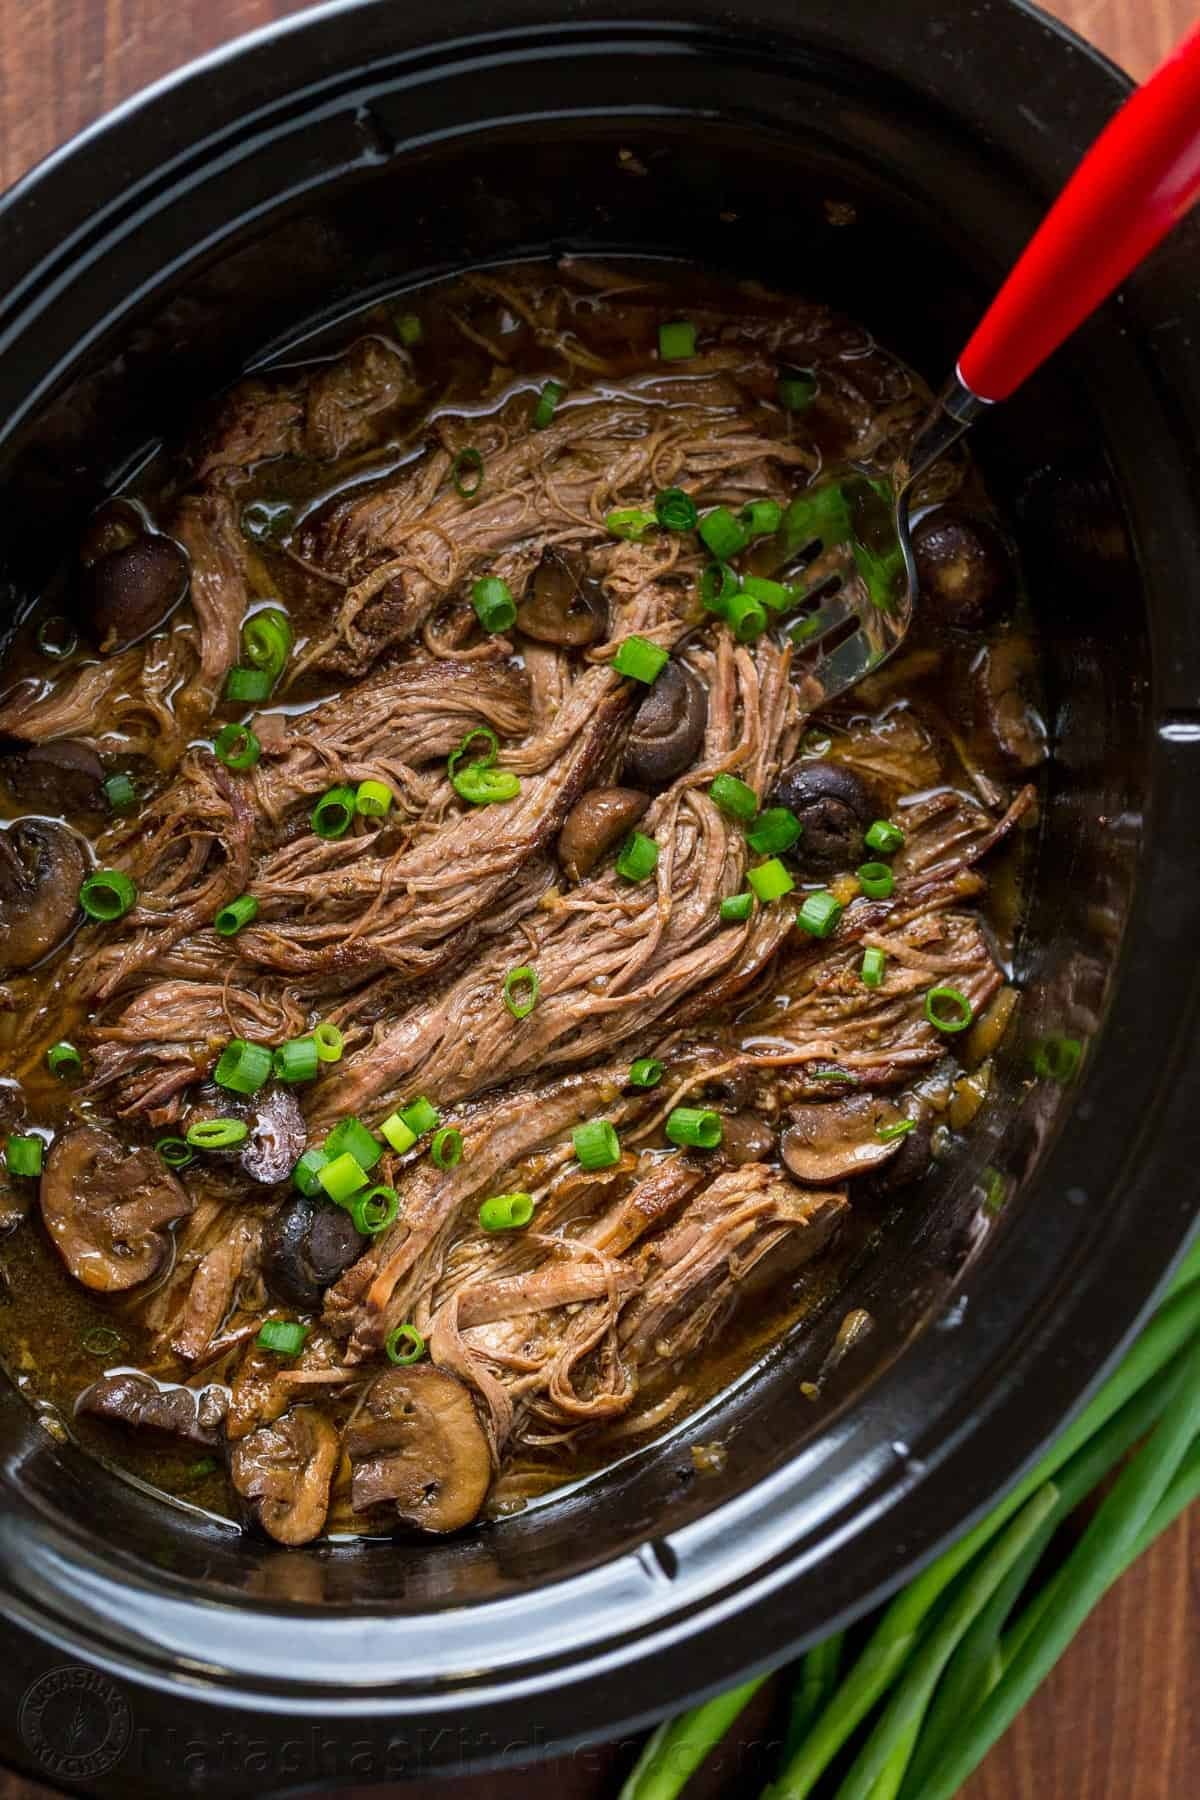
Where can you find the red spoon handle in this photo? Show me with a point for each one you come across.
(1138, 178)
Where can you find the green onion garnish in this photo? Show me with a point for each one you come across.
(176, 1152)
(248, 686)
(237, 747)
(646, 1072)
(948, 1009)
(296, 1061)
(872, 966)
(268, 521)
(724, 533)
(718, 585)
(677, 341)
(639, 857)
(548, 399)
(798, 391)
(375, 1210)
(1057, 1058)
(230, 920)
(409, 330)
(373, 800)
(332, 815)
(284, 1336)
(102, 1340)
(887, 1134)
(494, 605)
(217, 1134)
(884, 838)
(447, 1147)
(694, 1128)
(597, 1145)
(306, 1171)
(267, 641)
(329, 1042)
(773, 596)
(24, 1155)
(342, 1177)
(506, 1212)
(64, 1060)
(762, 518)
(107, 894)
(733, 796)
(773, 831)
(480, 783)
(675, 510)
(770, 880)
(243, 1067)
(521, 990)
(56, 638)
(466, 472)
(400, 1136)
(640, 659)
(876, 880)
(819, 914)
(630, 522)
(485, 759)
(404, 1345)
(420, 1115)
(204, 1465)
(736, 909)
(351, 1136)
(746, 617)
(120, 793)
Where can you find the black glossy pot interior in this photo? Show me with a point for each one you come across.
(343, 160)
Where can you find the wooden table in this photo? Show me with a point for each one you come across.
(1120, 1717)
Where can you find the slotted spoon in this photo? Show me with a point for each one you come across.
(1138, 179)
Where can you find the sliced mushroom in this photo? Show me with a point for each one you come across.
(132, 590)
(835, 808)
(61, 776)
(285, 1469)
(417, 1447)
(668, 728)
(830, 1140)
(598, 820)
(41, 867)
(307, 1245)
(563, 604)
(111, 527)
(704, 1062)
(278, 1133)
(105, 1207)
(170, 1411)
(910, 1163)
(964, 567)
(745, 1138)
(1010, 729)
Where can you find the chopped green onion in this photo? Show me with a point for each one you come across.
(56, 638)
(341, 1177)
(267, 641)
(284, 1336)
(639, 857)
(333, 813)
(351, 1135)
(485, 787)
(240, 912)
(447, 1147)
(718, 585)
(268, 521)
(217, 1134)
(629, 522)
(521, 1004)
(400, 1136)
(494, 605)
(733, 796)
(833, 1074)
(204, 1465)
(677, 341)
(746, 617)
(296, 1061)
(420, 1115)
(467, 464)
(819, 914)
(640, 659)
(876, 880)
(243, 1067)
(329, 1042)
(102, 1340)
(248, 686)
(597, 1145)
(63, 1059)
(770, 880)
(409, 330)
(948, 1009)
(120, 793)
(884, 838)
(24, 1155)
(694, 1128)
(797, 391)
(872, 966)
(774, 830)
(773, 596)
(404, 1345)
(373, 800)
(107, 894)
(675, 510)
(1057, 1058)
(176, 1152)
(646, 1072)
(506, 1212)
(887, 1134)
(548, 399)
(306, 1172)
(736, 909)
(724, 533)
(237, 747)
(483, 761)
(761, 518)
(375, 1210)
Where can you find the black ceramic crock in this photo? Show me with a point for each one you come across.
(892, 160)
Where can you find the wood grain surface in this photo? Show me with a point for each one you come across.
(1120, 1717)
